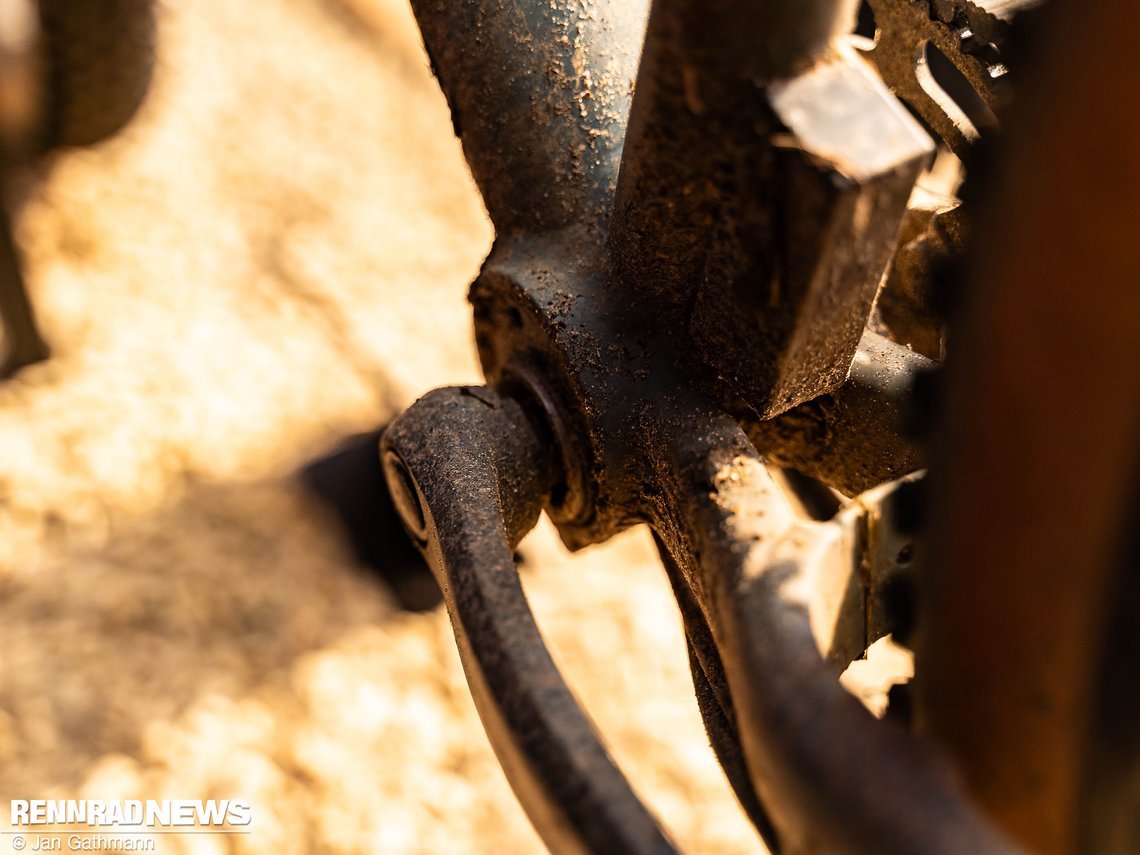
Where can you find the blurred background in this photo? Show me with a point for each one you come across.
(274, 256)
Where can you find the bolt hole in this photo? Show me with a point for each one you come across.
(406, 497)
(953, 92)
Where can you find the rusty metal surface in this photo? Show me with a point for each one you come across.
(539, 93)
(468, 474)
(714, 699)
(990, 19)
(853, 438)
(761, 190)
(650, 364)
(969, 36)
(834, 778)
(608, 363)
(696, 108)
(781, 600)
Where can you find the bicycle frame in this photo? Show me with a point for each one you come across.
(673, 303)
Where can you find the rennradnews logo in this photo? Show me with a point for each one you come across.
(98, 813)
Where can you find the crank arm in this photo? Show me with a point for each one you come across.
(468, 475)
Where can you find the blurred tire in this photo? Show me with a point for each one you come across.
(99, 58)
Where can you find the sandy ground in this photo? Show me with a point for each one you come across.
(274, 256)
